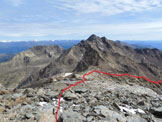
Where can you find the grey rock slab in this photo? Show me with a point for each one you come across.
(103, 110)
(113, 115)
(26, 107)
(141, 103)
(89, 118)
(51, 93)
(157, 112)
(93, 94)
(46, 99)
(48, 106)
(87, 109)
(155, 104)
(30, 95)
(81, 90)
(29, 115)
(16, 95)
(70, 116)
(47, 116)
(156, 119)
(70, 96)
(40, 91)
(85, 114)
(135, 119)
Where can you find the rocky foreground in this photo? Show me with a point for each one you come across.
(96, 100)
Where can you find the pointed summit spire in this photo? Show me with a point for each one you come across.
(93, 37)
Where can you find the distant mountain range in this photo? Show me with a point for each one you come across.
(9, 49)
(145, 44)
(16, 47)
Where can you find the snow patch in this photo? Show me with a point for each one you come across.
(42, 103)
(67, 74)
(56, 101)
(61, 109)
(128, 109)
(74, 105)
(62, 99)
(140, 111)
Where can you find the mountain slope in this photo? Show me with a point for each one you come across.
(105, 55)
(25, 63)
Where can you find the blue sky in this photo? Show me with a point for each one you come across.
(77, 19)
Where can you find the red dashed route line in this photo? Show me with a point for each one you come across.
(157, 82)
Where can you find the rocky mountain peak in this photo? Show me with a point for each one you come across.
(102, 43)
(93, 37)
(104, 38)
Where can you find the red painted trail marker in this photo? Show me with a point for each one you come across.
(157, 82)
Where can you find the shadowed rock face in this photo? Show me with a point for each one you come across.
(106, 55)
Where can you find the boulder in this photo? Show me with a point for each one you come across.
(70, 96)
(70, 116)
(157, 112)
(81, 90)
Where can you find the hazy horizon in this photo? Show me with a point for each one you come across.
(36, 40)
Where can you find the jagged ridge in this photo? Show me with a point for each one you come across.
(104, 54)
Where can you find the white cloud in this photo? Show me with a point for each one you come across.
(15, 2)
(108, 7)
(142, 31)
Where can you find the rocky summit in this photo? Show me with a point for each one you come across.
(101, 98)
